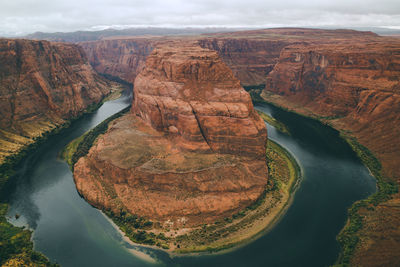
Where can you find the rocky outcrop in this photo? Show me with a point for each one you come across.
(42, 84)
(249, 59)
(356, 86)
(192, 151)
(190, 93)
(122, 58)
(251, 55)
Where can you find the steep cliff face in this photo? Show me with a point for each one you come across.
(122, 58)
(249, 59)
(251, 55)
(356, 85)
(41, 85)
(192, 151)
(189, 92)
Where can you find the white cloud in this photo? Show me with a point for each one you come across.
(25, 16)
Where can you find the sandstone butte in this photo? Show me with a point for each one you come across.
(42, 85)
(346, 78)
(192, 151)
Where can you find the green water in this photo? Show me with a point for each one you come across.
(72, 233)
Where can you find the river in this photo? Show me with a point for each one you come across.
(72, 233)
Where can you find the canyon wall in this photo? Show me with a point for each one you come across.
(250, 59)
(192, 151)
(122, 58)
(355, 86)
(251, 55)
(42, 84)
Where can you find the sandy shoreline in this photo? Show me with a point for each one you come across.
(140, 254)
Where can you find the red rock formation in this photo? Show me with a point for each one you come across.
(357, 85)
(251, 55)
(249, 59)
(42, 84)
(123, 58)
(194, 154)
(189, 92)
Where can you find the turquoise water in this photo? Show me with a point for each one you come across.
(72, 233)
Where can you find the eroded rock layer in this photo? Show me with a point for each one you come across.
(189, 92)
(192, 151)
(122, 58)
(355, 87)
(41, 85)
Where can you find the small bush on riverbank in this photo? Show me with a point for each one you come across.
(16, 247)
(255, 91)
(348, 237)
(81, 146)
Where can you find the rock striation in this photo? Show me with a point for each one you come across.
(189, 92)
(355, 86)
(122, 58)
(251, 55)
(42, 84)
(191, 151)
(249, 59)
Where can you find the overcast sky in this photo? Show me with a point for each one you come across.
(26, 16)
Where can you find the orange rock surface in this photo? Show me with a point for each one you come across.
(189, 92)
(192, 151)
(357, 86)
(122, 58)
(42, 84)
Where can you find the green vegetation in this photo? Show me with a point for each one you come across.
(255, 92)
(349, 236)
(134, 227)
(277, 124)
(282, 166)
(16, 247)
(80, 147)
(283, 173)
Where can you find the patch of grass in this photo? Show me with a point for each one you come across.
(80, 147)
(349, 236)
(16, 248)
(277, 124)
(282, 166)
(283, 172)
(135, 229)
